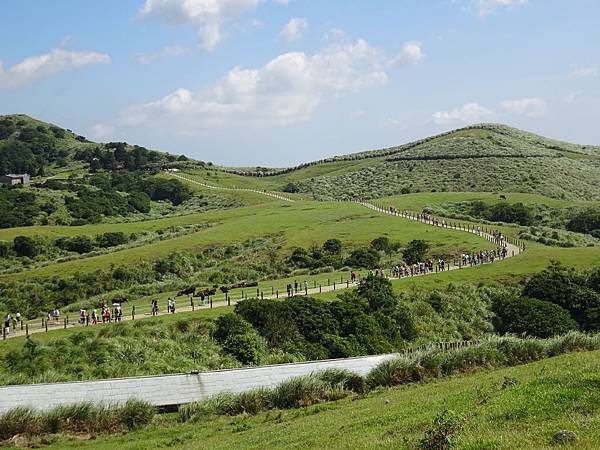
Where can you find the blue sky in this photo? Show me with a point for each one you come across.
(276, 82)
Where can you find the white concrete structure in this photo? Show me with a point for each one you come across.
(172, 390)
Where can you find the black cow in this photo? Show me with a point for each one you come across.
(187, 291)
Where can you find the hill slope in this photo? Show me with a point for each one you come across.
(484, 157)
(515, 408)
(31, 146)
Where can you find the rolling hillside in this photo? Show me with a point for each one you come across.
(483, 158)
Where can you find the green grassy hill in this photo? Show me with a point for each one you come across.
(485, 157)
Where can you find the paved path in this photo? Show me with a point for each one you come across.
(223, 188)
(513, 250)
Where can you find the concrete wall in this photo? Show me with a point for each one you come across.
(169, 390)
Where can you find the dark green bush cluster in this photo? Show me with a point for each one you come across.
(331, 253)
(76, 418)
(370, 320)
(237, 337)
(577, 293)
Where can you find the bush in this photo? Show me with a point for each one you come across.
(228, 325)
(440, 434)
(533, 317)
(367, 258)
(112, 239)
(26, 246)
(78, 418)
(244, 347)
(415, 252)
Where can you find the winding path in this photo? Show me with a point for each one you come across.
(513, 249)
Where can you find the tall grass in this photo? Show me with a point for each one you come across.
(77, 418)
(334, 384)
(329, 385)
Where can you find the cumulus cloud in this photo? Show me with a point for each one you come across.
(530, 107)
(585, 71)
(485, 7)
(35, 68)
(101, 131)
(412, 53)
(466, 114)
(207, 15)
(286, 89)
(164, 52)
(571, 97)
(292, 30)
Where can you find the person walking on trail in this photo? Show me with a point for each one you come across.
(94, 317)
(296, 286)
(305, 287)
(7, 323)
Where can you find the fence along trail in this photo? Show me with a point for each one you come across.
(514, 248)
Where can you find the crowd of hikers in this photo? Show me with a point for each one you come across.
(107, 314)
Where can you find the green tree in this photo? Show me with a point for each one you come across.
(416, 251)
(381, 244)
(530, 316)
(26, 246)
(332, 246)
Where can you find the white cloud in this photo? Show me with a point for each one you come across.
(292, 30)
(585, 71)
(172, 50)
(391, 122)
(101, 131)
(466, 114)
(571, 97)
(485, 7)
(207, 15)
(286, 89)
(530, 107)
(36, 68)
(412, 53)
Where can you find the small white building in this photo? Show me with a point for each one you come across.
(13, 179)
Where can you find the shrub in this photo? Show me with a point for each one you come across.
(305, 391)
(332, 246)
(228, 325)
(416, 251)
(19, 421)
(244, 347)
(78, 417)
(367, 258)
(440, 434)
(112, 239)
(533, 317)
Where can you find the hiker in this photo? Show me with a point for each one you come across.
(296, 286)
(352, 276)
(82, 316)
(289, 289)
(306, 286)
(94, 317)
(7, 323)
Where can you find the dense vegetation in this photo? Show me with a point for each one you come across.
(37, 148)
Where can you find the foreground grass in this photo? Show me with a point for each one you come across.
(514, 408)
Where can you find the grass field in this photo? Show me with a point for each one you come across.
(516, 408)
(301, 224)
